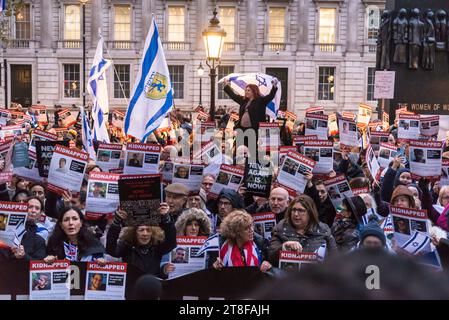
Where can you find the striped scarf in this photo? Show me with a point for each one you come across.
(232, 257)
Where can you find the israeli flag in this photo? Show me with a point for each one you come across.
(239, 81)
(98, 89)
(19, 232)
(321, 251)
(418, 242)
(86, 135)
(152, 95)
(211, 244)
(2, 5)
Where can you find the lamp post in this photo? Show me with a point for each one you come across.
(83, 5)
(200, 71)
(213, 37)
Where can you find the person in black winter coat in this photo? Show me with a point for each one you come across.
(326, 210)
(142, 246)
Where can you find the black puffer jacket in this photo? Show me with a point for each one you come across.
(33, 244)
(145, 258)
(318, 235)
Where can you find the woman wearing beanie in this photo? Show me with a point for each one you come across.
(372, 236)
(344, 229)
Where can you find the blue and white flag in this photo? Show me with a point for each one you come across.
(239, 81)
(2, 5)
(419, 242)
(71, 251)
(211, 244)
(152, 95)
(19, 232)
(86, 135)
(98, 89)
(321, 251)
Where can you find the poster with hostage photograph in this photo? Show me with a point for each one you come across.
(140, 197)
(5, 116)
(39, 135)
(372, 163)
(293, 171)
(257, 179)
(429, 126)
(9, 132)
(320, 151)
(364, 115)
(204, 132)
(67, 118)
(444, 179)
(50, 281)
(102, 195)
(408, 126)
(269, 135)
(106, 282)
(299, 142)
(40, 114)
(142, 158)
(229, 177)
(425, 159)
(387, 153)
(30, 171)
(347, 129)
(44, 154)
(190, 175)
(13, 217)
(317, 124)
(378, 137)
(337, 188)
(6, 151)
(292, 260)
(108, 156)
(264, 223)
(67, 168)
(406, 222)
(184, 256)
(283, 151)
(209, 154)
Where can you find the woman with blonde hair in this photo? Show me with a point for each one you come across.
(240, 246)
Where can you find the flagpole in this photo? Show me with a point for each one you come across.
(84, 53)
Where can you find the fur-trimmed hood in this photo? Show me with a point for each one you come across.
(193, 214)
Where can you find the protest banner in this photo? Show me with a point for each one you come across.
(30, 171)
(102, 195)
(290, 120)
(67, 169)
(386, 120)
(190, 175)
(264, 223)
(19, 117)
(202, 116)
(429, 126)
(140, 197)
(320, 151)
(229, 177)
(40, 114)
(406, 221)
(283, 150)
(359, 191)
(444, 179)
(408, 126)
(208, 154)
(13, 216)
(375, 125)
(387, 153)
(142, 158)
(9, 132)
(378, 137)
(317, 124)
(185, 258)
(108, 156)
(44, 154)
(384, 84)
(269, 135)
(318, 110)
(67, 118)
(293, 171)
(106, 282)
(425, 159)
(364, 115)
(299, 142)
(50, 281)
(257, 179)
(203, 131)
(5, 116)
(292, 260)
(39, 135)
(349, 115)
(6, 154)
(332, 124)
(373, 164)
(337, 188)
(118, 117)
(347, 129)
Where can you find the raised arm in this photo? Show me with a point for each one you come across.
(237, 98)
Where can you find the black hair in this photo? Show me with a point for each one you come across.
(20, 191)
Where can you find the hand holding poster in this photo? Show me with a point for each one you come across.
(317, 124)
(406, 221)
(142, 158)
(229, 177)
(102, 195)
(320, 151)
(184, 256)
(347, 129)
(387, 152)
(67, 168)
(50, 281)
(44, 154)
(426, 158)
(408, 126)
(337, 188)
(293, 171)
(105, 282)
(190, 175)
(13, 217)
(292, 260)
(258, 179)
(108, 156)
(264, 223)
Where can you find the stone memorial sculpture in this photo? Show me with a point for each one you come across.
(415, 38)
(400, 37)
(384, 41)
(441, 29)
(428, 56)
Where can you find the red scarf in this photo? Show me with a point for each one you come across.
(232, 257)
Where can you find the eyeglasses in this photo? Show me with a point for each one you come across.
(301, 211)
(224, 204)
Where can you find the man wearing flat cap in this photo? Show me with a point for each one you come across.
(176, 195)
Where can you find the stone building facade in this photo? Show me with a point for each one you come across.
(323, 51)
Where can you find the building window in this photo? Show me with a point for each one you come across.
(122, 22)
(71, 80)
(373, 24)
(327, 25)
(176, 24)
(23, 23)
(177, 80)
(227, 21)
(121, 81)
(326, 83)
(370, 84)
(276, 25)
(223, 71)
(72, 22)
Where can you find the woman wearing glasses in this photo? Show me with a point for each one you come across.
(300, 231)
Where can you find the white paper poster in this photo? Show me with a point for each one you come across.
(108, 156)
(184, 256)
(102, 195)
(408, 126)
(317, 124)
(348, 132)
(142, 158)
(425, 158)
(293, 171)
(320, 151)
(50, 281)
(106, 282)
